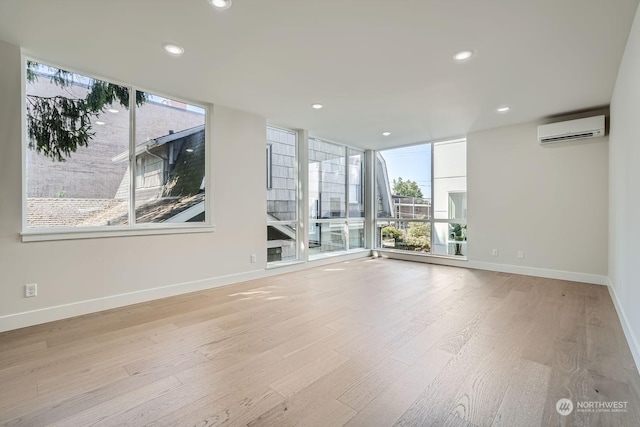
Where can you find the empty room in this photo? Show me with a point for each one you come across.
(319, 213)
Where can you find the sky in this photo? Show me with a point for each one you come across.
(410, 163)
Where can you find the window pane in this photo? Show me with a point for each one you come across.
(170, 161)
(356, 235)
(450, 239)
(403, 182)
(281, 164)
(404, 235)
(356, 184)
(281, 243)
(458, 205)
(450, 180)
(326, 237)
(71, 181)
(387, 233)
(327, 180)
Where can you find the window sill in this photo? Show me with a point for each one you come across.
(324, 255)
(93, 233)
(280, 264)
(421, 254)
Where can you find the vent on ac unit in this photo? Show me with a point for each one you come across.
(590, 127)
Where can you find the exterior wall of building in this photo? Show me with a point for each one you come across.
(449, 178)
(281, 195)
(64, 179)
(327, 174)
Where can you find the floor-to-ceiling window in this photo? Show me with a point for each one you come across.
(336, 198)
(450, 198)
(420, 199)
(282, 196)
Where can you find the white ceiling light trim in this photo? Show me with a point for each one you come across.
(503, 109)
(173, 49)
(317, 106)
(220, 4)
(386, 133)
(464, 55)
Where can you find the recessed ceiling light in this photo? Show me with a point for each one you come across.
(463, 55)
(316, 106)
(386, 133)
(220, 4)
(99, 123)
(173, 49)
(189, 150)
(503, 109)
(113, 110)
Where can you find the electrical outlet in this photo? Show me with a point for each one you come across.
(30, 290)
(494, 252)
(253, 257)
(521, 254)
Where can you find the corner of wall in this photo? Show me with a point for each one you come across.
(629, 333)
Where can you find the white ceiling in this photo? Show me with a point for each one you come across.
(376, 65)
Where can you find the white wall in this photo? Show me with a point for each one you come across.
(72, 271)
(624, 187)
(549, 201)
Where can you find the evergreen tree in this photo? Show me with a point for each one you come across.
(58, 125)
(406, 188)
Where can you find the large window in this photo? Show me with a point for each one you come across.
(421, 199)
(282, 197)
(80, 174)
(336, 198)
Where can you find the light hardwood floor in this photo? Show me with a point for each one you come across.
(373, 342)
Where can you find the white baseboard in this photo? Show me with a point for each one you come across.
(632, 339)
(65, 311)
(595, 279)
(50, 314)
(572, 276)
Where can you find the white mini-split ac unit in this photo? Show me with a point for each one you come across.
(590, 127)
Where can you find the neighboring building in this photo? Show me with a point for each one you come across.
(282, 196)
(449, 201)
(170, 178)
(91, 186)
(336, 192)
(449, 194)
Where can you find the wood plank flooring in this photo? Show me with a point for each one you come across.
(373, 342)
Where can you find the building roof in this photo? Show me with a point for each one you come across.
(163, 210)
(156, 142)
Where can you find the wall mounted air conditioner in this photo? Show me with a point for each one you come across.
(590, 127)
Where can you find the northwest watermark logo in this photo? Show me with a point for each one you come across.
(565, 406)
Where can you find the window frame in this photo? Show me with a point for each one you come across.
(290, 223)
(432, 220)
(32, 234)
(269, 165)
(347, 221)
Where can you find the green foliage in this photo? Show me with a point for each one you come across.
(390, 231)
(419, 235)
(58, 125)
(458, 232)
(406, 188)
